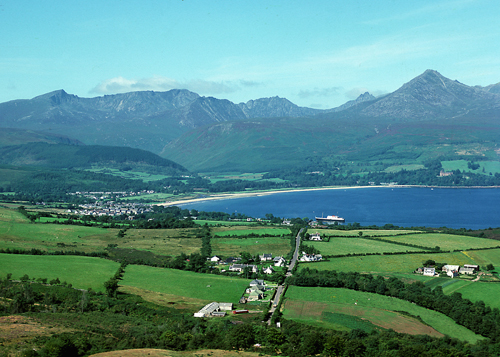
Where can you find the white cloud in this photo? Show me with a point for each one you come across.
(159, 83)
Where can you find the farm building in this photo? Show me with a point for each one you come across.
(467, 271)
(473, 266)
(450, 267)
(316, 236)
(429, 271)
(212, 309)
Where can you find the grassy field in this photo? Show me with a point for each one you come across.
(446, 241)
(82, 272)
(260, 245)
(485, 167)
(223, 223)
(335, 307)
(484, 257)
(405, 263)
(245, 231)
(338, 246)
(17, 232)
(355, 233)
(487, 292)
(409, 167)
(182, 287)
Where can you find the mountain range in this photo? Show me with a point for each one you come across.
(205, 133)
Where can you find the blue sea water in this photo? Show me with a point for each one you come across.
(404, 207)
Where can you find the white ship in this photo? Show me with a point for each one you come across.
(330, 219)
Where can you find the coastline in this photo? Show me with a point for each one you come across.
(226, 196)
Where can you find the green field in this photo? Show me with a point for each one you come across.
(316, 306)
(340, 246)
(485, 257)
(405, 263)
(256, 245)
(487, 292)
(82, 272)
(355, 233)
(242, 232)
(202, 222)
(446, 241)
(16, 232)
(184, 286)
(485, 167)
(409, 167)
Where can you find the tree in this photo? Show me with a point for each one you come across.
(111, 286)
(490, 267)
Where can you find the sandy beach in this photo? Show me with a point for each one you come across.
(227, 196)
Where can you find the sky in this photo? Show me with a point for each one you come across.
(317, 54)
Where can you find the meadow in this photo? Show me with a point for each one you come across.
(16, 232)
(246, 231)
(202, 222)
(487, 292)
(365, 232)
(485, 167)
(81, 272)
(380, 264)
(340, 246)
(256, 245)
(445, 241)
(181, 287)
(347, 309)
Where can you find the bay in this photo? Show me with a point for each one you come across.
(405, 207)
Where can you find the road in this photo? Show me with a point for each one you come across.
(280, 288)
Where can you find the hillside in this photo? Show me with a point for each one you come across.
(428, 117)
(145, 120)
(61, 156)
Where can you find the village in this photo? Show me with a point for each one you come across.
(452, 271)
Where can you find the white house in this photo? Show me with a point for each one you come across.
(268, 270)
(215, 259)
(429, 271)
(279, 262)
(316, 236)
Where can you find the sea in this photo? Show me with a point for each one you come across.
(469, 208)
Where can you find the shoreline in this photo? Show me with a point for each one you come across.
(226, 196)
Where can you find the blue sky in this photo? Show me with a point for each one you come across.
(316, 54)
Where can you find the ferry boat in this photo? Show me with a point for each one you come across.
(330, 219)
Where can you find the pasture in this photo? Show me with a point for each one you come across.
(485, 257)
(336, 307)
(202, 222)
(81, 272)
(487, 292)
(380, 264)
(340, 246)
(445, 241)
(485, 167)
(256, 245)
(181, 287)
(16, 232)
(355, 232)
(246, 231)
